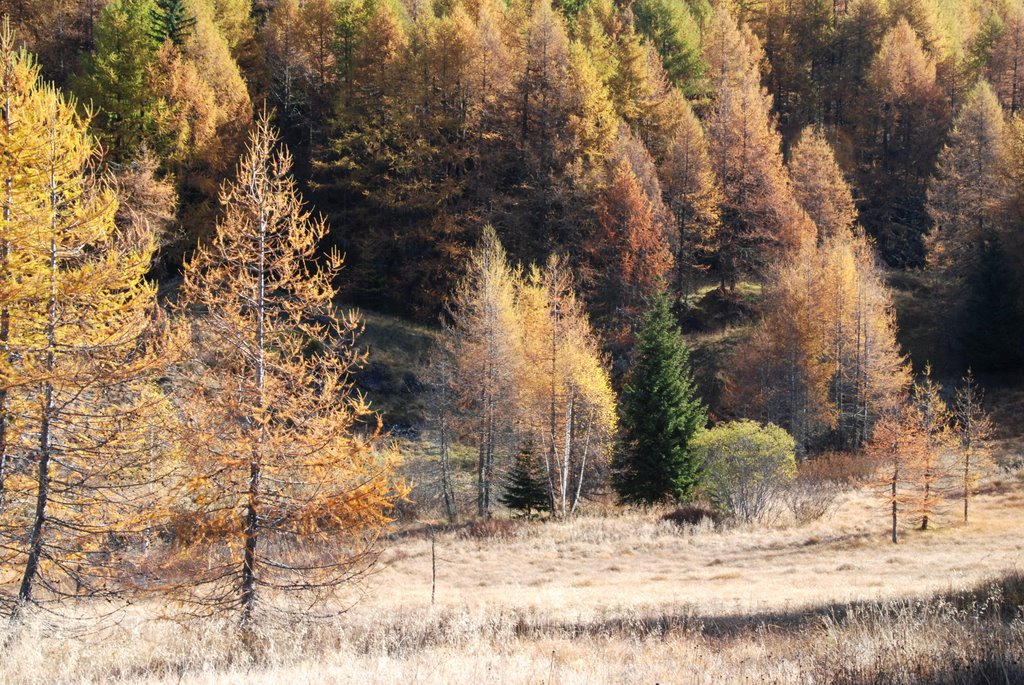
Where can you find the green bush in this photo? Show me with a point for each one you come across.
(746, 467)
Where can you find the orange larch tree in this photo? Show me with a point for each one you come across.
(760, 215)
(289, 482)
(693, 196)
(819, 185)
(896, 445)
(630, 253)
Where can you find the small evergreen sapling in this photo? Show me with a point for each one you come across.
(525, 490)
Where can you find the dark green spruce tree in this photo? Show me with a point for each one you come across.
(660, 413)
(171, 21)
(525, 490)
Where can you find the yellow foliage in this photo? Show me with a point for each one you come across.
(291, 479)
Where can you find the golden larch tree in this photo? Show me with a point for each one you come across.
(22, 168)
(819, 185)
(824, 362)
(483, 345)
(291, 482)
(565, 392)
(81, 350)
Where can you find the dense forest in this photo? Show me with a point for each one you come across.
(197, 191)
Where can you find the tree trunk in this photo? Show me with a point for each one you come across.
(967, 481)
(252, 531)
(35, 542)
(894, 506)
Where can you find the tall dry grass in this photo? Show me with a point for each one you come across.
(611, 597)
(974, 637)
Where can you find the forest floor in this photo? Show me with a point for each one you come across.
(620, 598)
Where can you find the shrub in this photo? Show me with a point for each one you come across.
(746, 466)
(693, 515)
(491, 529)
(819, 480)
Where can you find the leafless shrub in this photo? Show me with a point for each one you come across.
(491, 529)
(693, 515)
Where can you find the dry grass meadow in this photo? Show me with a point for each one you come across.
(617, 598)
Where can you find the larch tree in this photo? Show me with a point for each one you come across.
(1006, 66)
(782, 373)
(631, 253)
(901, 126)
(290, 483)
(693, 196)
(870, 372)
(540, 85)
(23, 175)
(824, 362)
(972, 430)
(929, 470)
(820, 186)
(895, 446)
(483, 341)
(81, 351)
(963, 197)
(660, 414)
(566, 397)
(759, 212)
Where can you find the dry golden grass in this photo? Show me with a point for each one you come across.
(615, 598)
(635, 561)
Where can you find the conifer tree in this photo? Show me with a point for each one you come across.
(824, 359)
(630, 252)
(760, 215)
(80, 352)
(483, 342)
(963, 197)
(660, 415)
(565, 397)
(22, 165)
(171, 20)
(895, 446)
(972, 428)
(1006, 67)
(993, 321)
(675, 33)
(929, 470)
(692, 195)
(291, 483)
(118, 79)
(525, 490)
(901, 129)
(820, 186)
